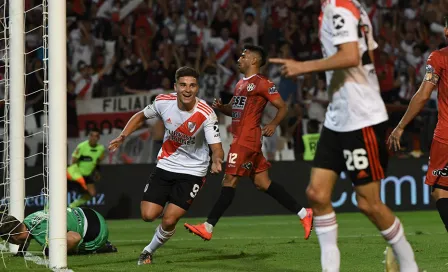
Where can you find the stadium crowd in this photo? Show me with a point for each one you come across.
(120, 47)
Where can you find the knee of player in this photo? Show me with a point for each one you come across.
(230, 181)
(437, 194)
(262, 185)
(148, 216)
(369, 206)
(92, 192)
(169, 222)
(316, 196)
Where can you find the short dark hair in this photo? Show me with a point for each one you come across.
(94, 130)
(7, 224)
(186, 71)
(259, 50)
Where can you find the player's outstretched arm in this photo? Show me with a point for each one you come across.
(225, 109)
(346, 57)
(133, 124)
(282, 108)
(417, 103)
(217, 158)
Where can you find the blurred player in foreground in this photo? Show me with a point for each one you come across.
(191, 129)
(87, 231)
(353, 136)
(84, 169)
(245, 157)
(436, 78)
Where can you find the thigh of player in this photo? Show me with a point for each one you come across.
(245, 162)
(437, 174)
(185, 189)
(365, 153)
(329, 152)
(157, 190)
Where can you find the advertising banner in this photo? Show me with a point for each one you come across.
(121, 188)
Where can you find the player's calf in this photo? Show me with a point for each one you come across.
(440, 196)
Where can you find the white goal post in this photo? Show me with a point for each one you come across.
(57, 91)
(54, 38)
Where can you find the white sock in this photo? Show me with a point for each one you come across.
(326, 229)
(208, 227)
(159, 238)
(302, 213)
(394, 235)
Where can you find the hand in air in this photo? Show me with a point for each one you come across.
(268, 130)
(216, 167)
(115, 143)
(289, 67)
(394, 139)
(217, 103)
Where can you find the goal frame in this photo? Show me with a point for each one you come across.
(55, 15)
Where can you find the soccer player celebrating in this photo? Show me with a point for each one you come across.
(191, 126)
(245, 157)
(436, 78)
(87, 231)
(353, 136)
(84, 168)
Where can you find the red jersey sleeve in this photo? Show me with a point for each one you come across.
(269, 91)
(434, 67)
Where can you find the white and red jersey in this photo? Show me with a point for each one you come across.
(187, 135)
(355, 92)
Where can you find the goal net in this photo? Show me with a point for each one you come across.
(26, 130)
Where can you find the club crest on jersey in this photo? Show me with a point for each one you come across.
(191, 126)
(272, 90)
(250, 87)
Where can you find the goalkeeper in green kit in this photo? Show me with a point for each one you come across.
(87, 231)
(84, 169)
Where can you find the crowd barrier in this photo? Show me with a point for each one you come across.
(121, 188)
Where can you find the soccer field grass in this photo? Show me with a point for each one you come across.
(267, 243)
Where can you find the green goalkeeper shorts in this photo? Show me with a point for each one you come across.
(99, 227)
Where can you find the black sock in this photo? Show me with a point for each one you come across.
(442, 207)
(224, 201)
(279, 193)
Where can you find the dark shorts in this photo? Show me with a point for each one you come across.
(363, 153)
(165, 186)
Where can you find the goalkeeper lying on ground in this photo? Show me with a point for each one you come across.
(87, 231)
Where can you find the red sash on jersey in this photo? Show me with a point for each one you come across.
(226, 48)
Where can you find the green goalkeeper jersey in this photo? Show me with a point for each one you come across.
(87, 157)
(37, 224)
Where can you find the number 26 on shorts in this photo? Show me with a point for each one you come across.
(232, 158)
(356, 159)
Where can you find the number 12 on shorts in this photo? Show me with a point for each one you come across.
(232, 158)
(356, 159)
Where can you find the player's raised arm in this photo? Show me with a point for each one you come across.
(417, 103)
(133, 124)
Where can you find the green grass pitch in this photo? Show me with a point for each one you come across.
(267, 243)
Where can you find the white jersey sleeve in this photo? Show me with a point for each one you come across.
(344, 28)
(211, 129)
(151, 111)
